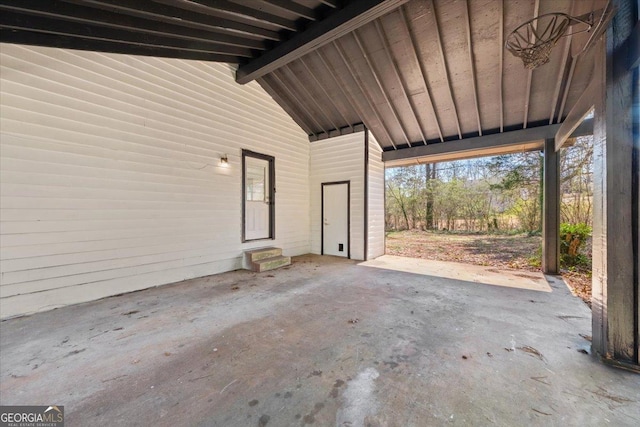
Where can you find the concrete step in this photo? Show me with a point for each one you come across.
(272, 263)
(262, 253)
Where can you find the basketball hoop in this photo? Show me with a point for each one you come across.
(533, 41)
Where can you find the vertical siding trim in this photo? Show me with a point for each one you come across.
(366, 194)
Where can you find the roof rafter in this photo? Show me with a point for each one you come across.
(163, 13)
(536, 9)
(337, 24)
(295, 8)
(238, 10)
(423, 73)
(324, 91)
(381, 86)
(446, 69)
(565, 95)
(276, 95)
(331, 3)
(297, 101)
(73, 29)
(501, 73)
(472, 65)
(66, 42)
(332, 73)
(292, 75)
(394, 65)
(364, 93)
(105, 18)
(561, 72)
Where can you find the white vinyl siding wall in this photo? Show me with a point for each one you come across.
(376, 242)
(339, 159)
(111, 178)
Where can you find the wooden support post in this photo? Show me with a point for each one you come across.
(551, 209)
(615, 231)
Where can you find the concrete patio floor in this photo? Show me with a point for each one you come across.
(326, 341)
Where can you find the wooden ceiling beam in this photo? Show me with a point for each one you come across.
(475, 146)
(67, 42)
(396, 71)
(525, 119)
(372, 67)
(501, 72)
(328, 97)
(235, 10)
(353, 104)
(276, 94)
(423, 72)
(567, 87)
(556, 93)
(445, 69)
(104, 18)
(364, 93)
(331, 3)
(298, 102)
(293, 7)
(337, 24)
(50, 26)
(182, 16)
(472, 65)
(292, 76)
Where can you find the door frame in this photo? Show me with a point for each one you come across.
(272, 194)
(348, 215)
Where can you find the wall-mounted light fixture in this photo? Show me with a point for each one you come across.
(224, 160)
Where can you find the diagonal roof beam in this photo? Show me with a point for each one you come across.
(66, 42)
(556, 93)
(53, 27)
(294, 97)
(238, 10)
(364, 92)
(277, 95)
(567, 87)
(501, 73)
(309, 71)
(337, 24)
(472, 65)
(164, 13)
(525, 119)
(396, 71)
(423, 72)
(446, 69)
(331, 3)
(381, 86)
(339, 85)
(293, 7)
(104, 18)
(292, 76)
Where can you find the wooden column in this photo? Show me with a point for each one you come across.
(615, 230)
(551, 209)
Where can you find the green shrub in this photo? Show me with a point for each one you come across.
(572, 240)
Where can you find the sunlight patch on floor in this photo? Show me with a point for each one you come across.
(530, 280)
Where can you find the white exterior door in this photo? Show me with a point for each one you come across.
(257, 221)
(335, 219)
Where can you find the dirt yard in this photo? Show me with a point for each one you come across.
(519, 252)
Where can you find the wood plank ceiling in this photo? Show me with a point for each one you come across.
(232, 31)
(433, 71)
(418, 72)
